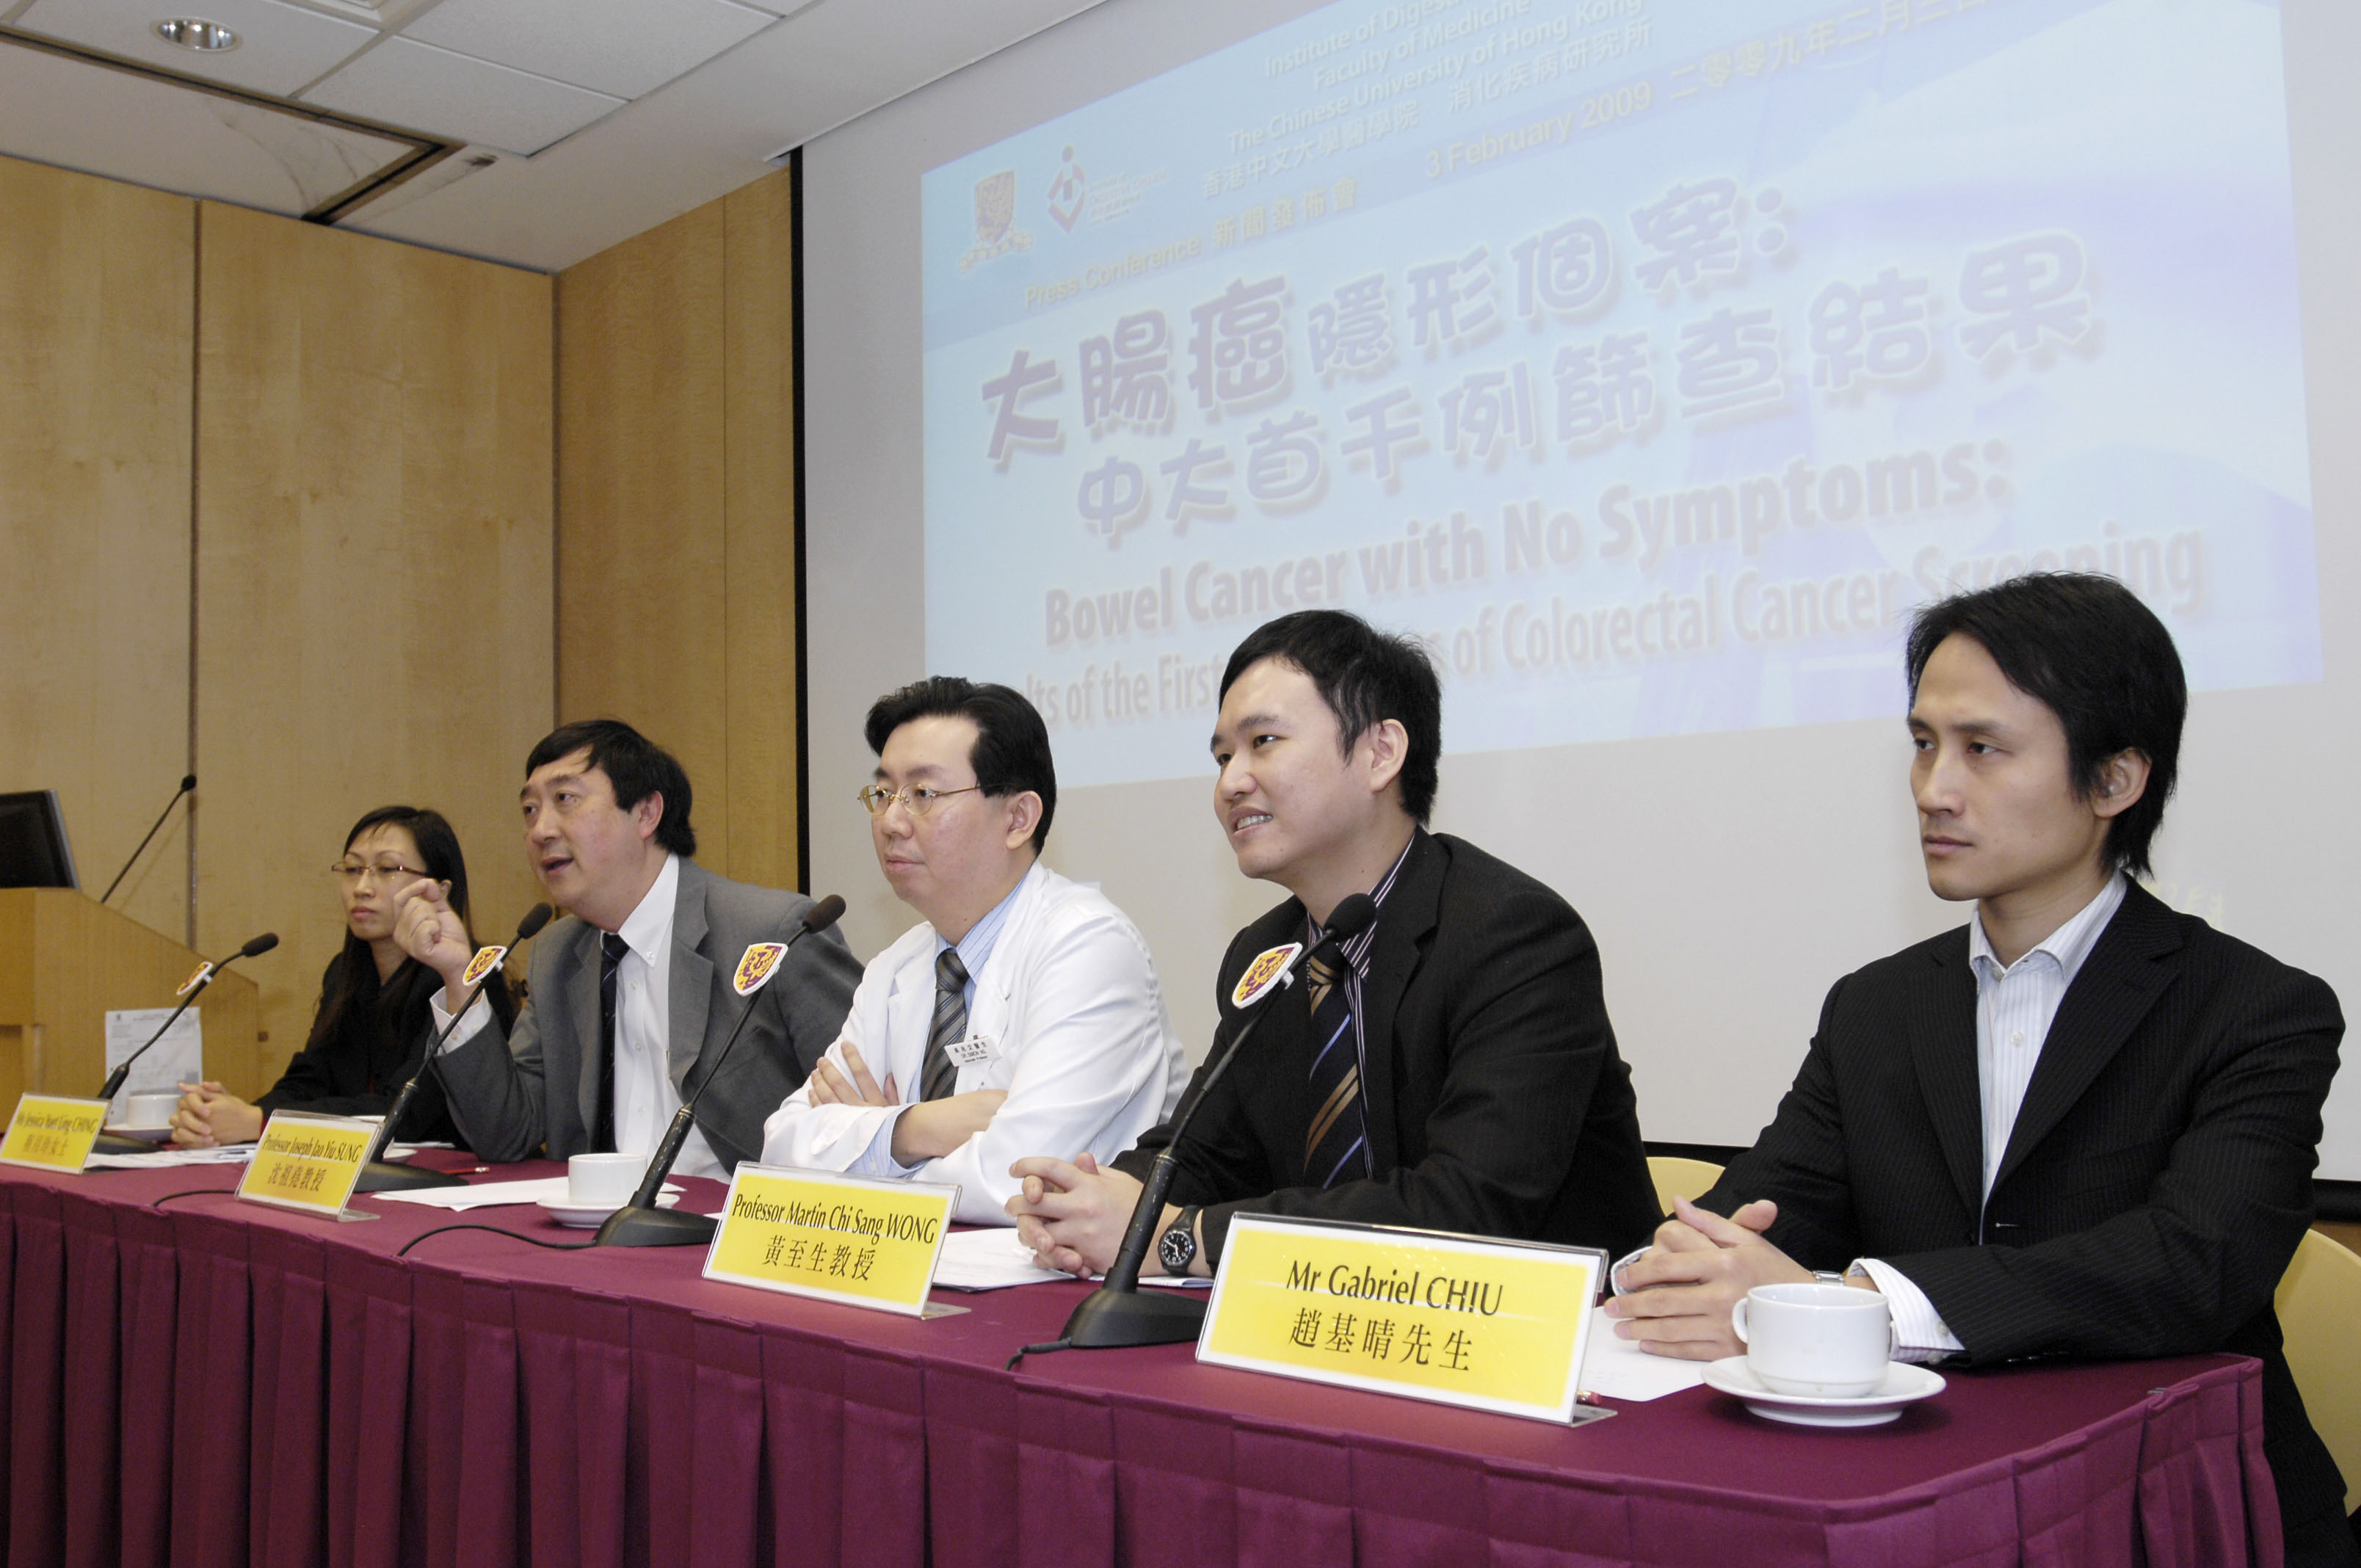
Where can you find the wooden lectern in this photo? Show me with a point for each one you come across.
(66, 960)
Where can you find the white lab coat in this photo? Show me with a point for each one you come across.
(1079, 1036)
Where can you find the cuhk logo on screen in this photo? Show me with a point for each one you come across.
(996, 233)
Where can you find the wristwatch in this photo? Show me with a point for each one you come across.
(1176, 1249)
(1829, 1275)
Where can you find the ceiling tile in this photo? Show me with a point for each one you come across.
(68, 111)
(414, 84)
(279, 49)
(623, 46)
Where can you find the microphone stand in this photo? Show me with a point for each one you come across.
(187, 784)
(380, 1175)
(114, 1143)
(639, 1223)
(1118, 1313)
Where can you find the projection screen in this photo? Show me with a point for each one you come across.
(1650, 360)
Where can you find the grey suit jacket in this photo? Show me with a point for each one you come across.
(539, 1085)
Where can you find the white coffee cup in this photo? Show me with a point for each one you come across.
(603, 1180)
(151, 1108)
(1830, 1340)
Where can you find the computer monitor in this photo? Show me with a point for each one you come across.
(33, 851)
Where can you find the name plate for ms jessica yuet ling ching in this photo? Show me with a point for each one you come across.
(55, 1132)
(1493, 1325)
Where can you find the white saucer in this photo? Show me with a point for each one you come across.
(1905, 1384)
(157, 1135)
(590, 1218)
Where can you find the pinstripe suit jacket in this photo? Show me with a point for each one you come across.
(2156, 1181)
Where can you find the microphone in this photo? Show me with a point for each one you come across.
(379, 1175)
(1116, 1313)
(206, 974)
(639, 1223)
(187, 783)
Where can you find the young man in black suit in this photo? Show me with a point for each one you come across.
(2084, 1124)
(1458, 1072)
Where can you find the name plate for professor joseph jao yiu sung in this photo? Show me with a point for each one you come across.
(1493, 1325)
(52, 1131)
(850, 1239)
(308, 1163)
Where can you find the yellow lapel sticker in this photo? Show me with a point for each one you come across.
(759, 963)
(1263, 973)
(486, 960)
(195, 980)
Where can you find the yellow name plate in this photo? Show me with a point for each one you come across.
(1492, 1325)
(52, 1131)
(836, 1238)
(308, 1163)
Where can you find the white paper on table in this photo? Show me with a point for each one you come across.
(178, 1057)
(1618, 1369)
(228, 1154)
(993, 1259)
(988, 1259)
(491, 1194)
(402, 1151)
(220, 1153)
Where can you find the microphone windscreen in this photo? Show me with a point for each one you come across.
(824, 914)
(529, 927)
(1351, 917)
(259, 946)
(188, 783)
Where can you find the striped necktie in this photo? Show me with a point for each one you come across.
(940, 1073)
(1336, 1148)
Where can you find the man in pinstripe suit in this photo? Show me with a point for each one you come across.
(2084, 1125)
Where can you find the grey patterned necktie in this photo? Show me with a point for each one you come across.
(950, 1025)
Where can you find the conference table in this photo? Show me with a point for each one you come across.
(193, 1381)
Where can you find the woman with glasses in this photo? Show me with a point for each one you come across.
(370, 1035)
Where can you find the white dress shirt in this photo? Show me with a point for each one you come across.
(645, 1098)
(975, 951)
(2015, 1005)
(1065, 1014)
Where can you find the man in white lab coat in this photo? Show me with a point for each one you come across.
(1022, 1013)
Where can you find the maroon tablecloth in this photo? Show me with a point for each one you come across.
(203, 1382)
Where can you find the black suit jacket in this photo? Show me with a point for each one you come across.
(360, 1067)
(2155, 1183)
(1496, 1101)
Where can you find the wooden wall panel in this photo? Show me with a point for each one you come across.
(373, 571)
(642, 555)
(97, 292)
(760, 387)
(675, 507)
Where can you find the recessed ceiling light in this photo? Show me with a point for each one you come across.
(190, 33)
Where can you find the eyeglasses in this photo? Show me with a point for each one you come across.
(917, 802)
(351, 872)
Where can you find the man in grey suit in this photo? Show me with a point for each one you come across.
(632, 991)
